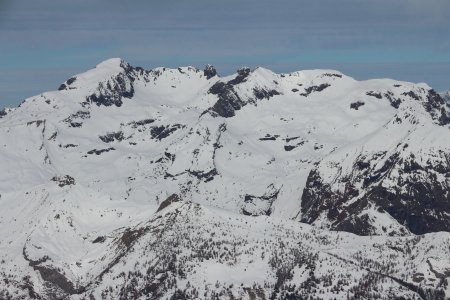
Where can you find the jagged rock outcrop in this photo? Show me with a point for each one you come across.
(382, 190)
(209, 71)
(229, 99)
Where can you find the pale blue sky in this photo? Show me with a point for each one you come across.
(43, 42)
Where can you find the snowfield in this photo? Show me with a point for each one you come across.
(128, 183)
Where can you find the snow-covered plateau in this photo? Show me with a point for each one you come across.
(128, 183)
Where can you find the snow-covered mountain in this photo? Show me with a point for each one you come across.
(446, 95)
(170, 183)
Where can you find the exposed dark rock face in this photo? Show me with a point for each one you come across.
(288, 139)
(318, 197)
(131, 70)
(433, 103)
(53, 136)
(263, 94)
(356, 105)
(260, 205)
(418, 199)
(168, 157)
(315, 88)
(291, 142)
(161, 132)
(100, 239)
(395, 102)
(113, 136)
(75, 120)
(57, 279)
(289, 147)
(3, 113)
(136, 124)
(171, 199)
(332, 75)
(130, 236)
(437, 107)
(444, 118)
(269, 137)
(374, 94)
(75, 124)
(70, 146)
(241, 77)
(79, 114)
(434, 100)
(66, 85)
(204, 175)
(209, 72)
(64, 180)
(98, 152)
(113, 91)
(412, 95)
(37, 123)
(226, 107)
(53, 276)
(229, 101)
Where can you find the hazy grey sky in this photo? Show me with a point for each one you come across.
(44, 42)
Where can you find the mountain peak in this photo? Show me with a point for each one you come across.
(112, 63)
(209, 71)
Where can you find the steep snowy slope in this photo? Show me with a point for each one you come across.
(85, 168)
(394, 180)
(187, 251)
